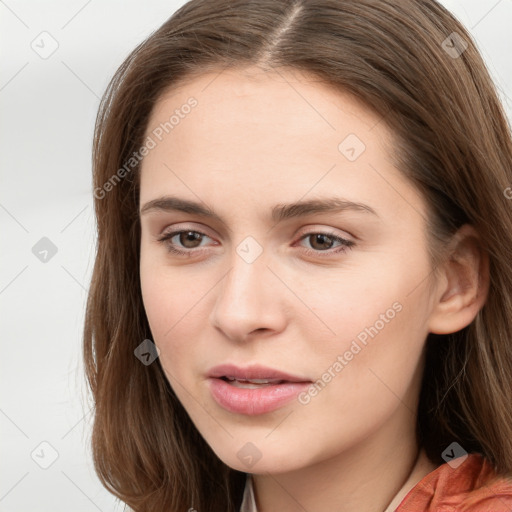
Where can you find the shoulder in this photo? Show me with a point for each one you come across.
(467, 484)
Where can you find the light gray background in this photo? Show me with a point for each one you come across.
(48, 106)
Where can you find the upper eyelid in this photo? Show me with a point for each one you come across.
(174, 228)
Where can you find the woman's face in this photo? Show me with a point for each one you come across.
(333, 292)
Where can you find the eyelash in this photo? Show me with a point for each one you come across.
(345, 244)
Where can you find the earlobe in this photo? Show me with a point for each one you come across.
(464, 275)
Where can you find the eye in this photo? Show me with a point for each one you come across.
(186, 242)
(323, 243)
(188, 239)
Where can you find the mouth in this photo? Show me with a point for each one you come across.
(252, 383)
(255, 373)
(253, 390)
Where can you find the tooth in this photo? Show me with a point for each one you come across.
(255, 381)
(247, 385)
(250, 385)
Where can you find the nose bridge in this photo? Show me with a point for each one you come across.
(246, 300)
(244, 284)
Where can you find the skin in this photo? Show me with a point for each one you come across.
(257, 139)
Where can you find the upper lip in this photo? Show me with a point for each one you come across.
(253, 372)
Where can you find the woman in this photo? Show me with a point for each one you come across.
(302, 291)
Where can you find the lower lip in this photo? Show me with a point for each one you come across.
(254, 401)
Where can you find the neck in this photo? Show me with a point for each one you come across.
(422, 467)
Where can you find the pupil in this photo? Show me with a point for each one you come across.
(190, 236)
(322, 239)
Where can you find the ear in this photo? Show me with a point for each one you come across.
(462, 283)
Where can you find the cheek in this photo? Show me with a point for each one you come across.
(365, 307)
(175, 308)
(380, 325)
(157, 301)
(167, 293)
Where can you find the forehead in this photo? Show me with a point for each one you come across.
(252, 98)
(252, 132)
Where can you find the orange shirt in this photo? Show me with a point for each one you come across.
(465, 488)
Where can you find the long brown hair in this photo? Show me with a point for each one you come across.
(413, 64)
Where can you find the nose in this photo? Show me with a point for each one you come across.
(249, 300)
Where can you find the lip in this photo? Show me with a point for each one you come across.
(248, 401)
(253, 372)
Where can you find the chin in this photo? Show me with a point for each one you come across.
(260, 456)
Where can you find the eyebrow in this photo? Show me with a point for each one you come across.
(279, 212)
